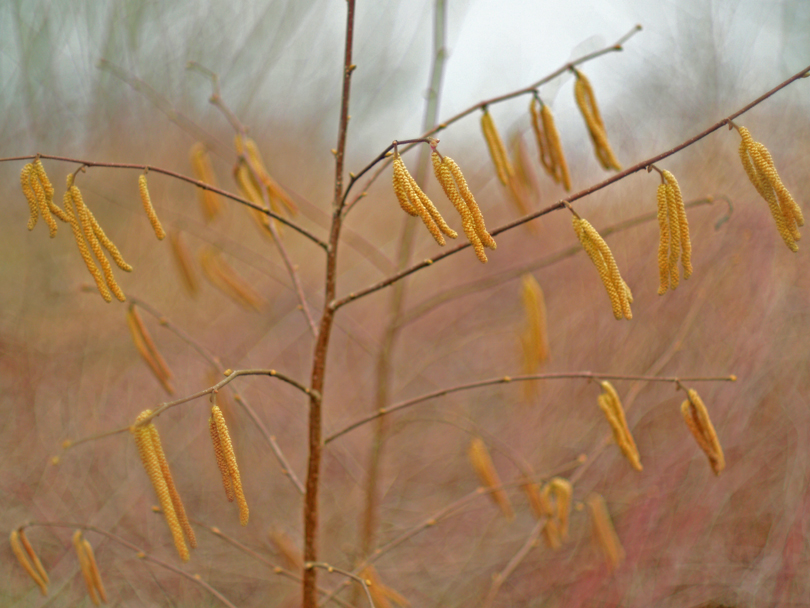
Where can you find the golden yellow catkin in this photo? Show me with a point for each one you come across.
(762, 173)
(177, 503)
(610, 404)
(601, 256)
(84, 563)
(201, 167)
(674, 192)
(562, 491)
(225, 278)
(276, 195)
(230, 460)
(94, 572)
(71, 195)
(549, 145)
(523, 189)
(697, 419)
(415, 202)
(149, 209)
(20, 553)
(551, 531)
(537, 501)
(603, 531)
(485, 469)
(536, 333)
(185, 264)
(151, 462)
(83, 214)
(34, 557)
(147, 349)
(663, 244)
(381, 594)
(33, 204)
(496, 148)
(586, 101)
(220, 457)
(455, 187)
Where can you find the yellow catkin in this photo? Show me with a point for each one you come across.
(555, 148)
(287, 548)
(663, 244)
(523, 189)
(147, 349)
(610, 404)
(600, 254)
(94, 572)
(485, 469)
(674, 192)
(47, 186)
(537, 501)
(185, 264)
(34, 557)
(603, 531)
(536, 334)
(105, 242)
(697, 419)
(497, 150)
(225, 278)
(415, 202)
(149, 209)
(84, 563)
(455, 187)
(83, 215)
(20, 554)
(380, 593)
(543, 152)
(551, 531)
(42, 202)
(562, 491)
(151, 462)
(73, 216)
(177, 503)
(33, 205)
(220, 457)
(275, 193)
(586, 101)
(759, 167)
(230, 460)
(201, 167)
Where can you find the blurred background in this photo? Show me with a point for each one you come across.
(109, 82)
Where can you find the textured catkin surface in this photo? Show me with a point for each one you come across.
(68, 368)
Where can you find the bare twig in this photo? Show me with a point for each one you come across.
(642, 166)
(499, 578)
(506, 379)
(354, 577)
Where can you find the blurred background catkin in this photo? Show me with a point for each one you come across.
(108, 82)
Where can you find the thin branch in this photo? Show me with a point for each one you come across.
(181, 177)
(499, 578)
(215, 362)
(354, 577)
(170, 404)
(617, 46)
(507, 379)
(566, 201)
(506, 276)
(139, 553)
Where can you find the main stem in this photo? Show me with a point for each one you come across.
(322, 345)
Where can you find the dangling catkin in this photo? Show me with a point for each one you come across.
(610, 404)
(220, 457)
(84, 563)
(94, 572)
(497, 150)
(674, 192)
(151, 462)
(230, 460)
(763, 175)
(601, 256)
(586, 101)
(73, 217)
(147, 349)
(604, 532)
(185, 265)
(697, 419)
(536, 333)
(275, 193)
(225, 278)
(204, 172)
(562, 491)
(33, 205)
(150, 210)
(34, 557)
(663, 244)
(34, 572)
(455, 187)
(177, 503)
(485, 469)
(415, 202)
(549, 145)
(523, 189)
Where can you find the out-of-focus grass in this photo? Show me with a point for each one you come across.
(68, 369)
